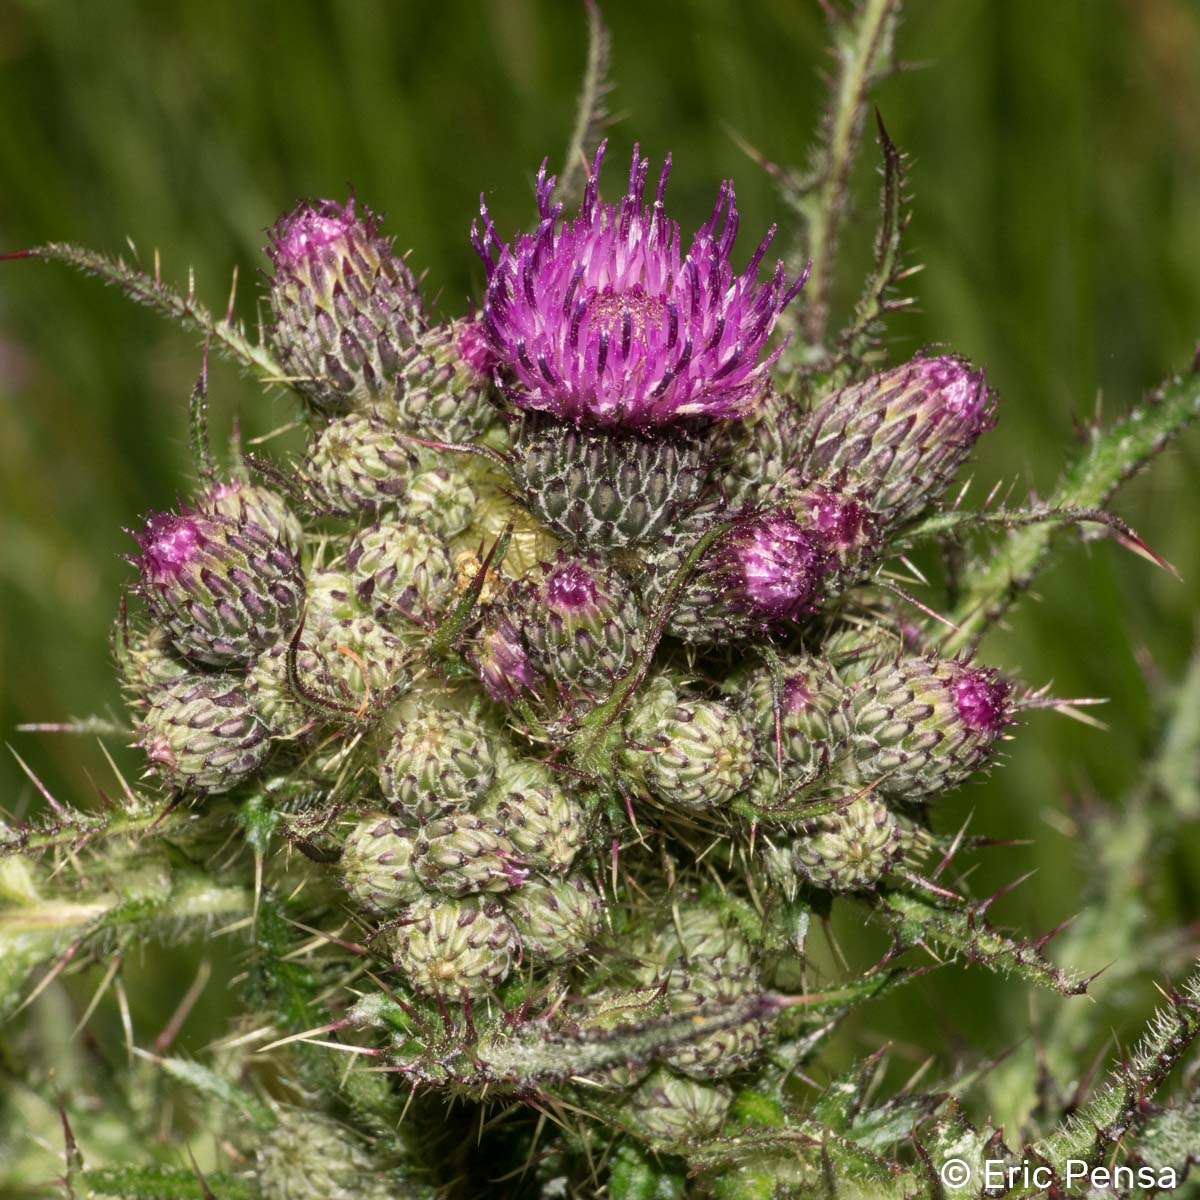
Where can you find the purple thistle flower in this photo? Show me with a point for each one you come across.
(772, 568)
(601, 319)
(981, 697)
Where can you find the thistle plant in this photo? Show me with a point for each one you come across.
(522, 728)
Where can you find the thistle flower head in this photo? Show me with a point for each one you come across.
(773, 567)
(602, 319)
(312, 227)
(221, 589)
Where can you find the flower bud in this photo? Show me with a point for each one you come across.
(357, 664)
(698, 756)
(461, 853)
(768, 569)
(220, 590)
(270, 690)
(799, 724)
(442, 386)
(604, 490)
(921, 725)
(582, 624)
(724, 1051)
(848, 534)
(718, 598)
(500, 656)
(697, 938)
(440, 500)
(556, 919)
(449, 947)
(250, 503)
(402, 573)
(308, 1156)
(330, 597)
(895, 440)
(358, 465)
(376, 865)
(146, 658)
(755, 453)
(345, 305)
(437, 759)
(675, 1111)
(201, 732)
(850, 849)
(541, 820)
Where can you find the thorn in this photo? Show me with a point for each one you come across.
(113, 968)
(50, 976)
(232, 296)
(183, 1010)
(1053, 933)
(57, 808)
(983, 905)
(205, 1191)
(71, 1151)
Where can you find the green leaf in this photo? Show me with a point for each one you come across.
(161, 1183)
(636, 1174)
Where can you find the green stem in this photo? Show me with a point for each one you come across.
(859, 55)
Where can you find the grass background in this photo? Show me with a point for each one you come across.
(1057, 181)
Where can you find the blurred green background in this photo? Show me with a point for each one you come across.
(1056, 172)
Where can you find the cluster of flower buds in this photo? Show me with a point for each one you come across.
(679, 533)
(474, 868)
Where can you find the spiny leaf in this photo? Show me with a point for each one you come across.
(861, 338)
(1093, 1131)
(960, 930)
(990, 585)
(186, 310)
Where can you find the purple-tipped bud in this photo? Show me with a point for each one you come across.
(582, 624)
(982, 699)
(895, 440)
(921, 725)
(501, 660)
(346, 306)
(475, 348)
(772, 568)
(222, 590)
(170, 542)
(602, 319)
